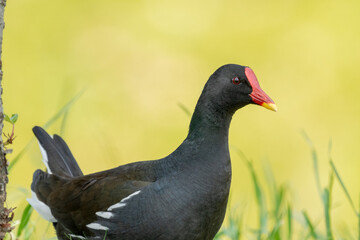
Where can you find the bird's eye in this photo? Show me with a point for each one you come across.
(236, 81)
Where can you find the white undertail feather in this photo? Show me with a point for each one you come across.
(97, 226)
(45, 158)
(41, 208)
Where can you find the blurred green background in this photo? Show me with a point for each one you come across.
(138, 59)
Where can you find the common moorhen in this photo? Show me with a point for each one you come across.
(181, 196)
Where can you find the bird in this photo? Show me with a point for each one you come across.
(181, 196)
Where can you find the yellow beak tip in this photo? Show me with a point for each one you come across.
(270, 106)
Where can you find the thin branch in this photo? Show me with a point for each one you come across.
(6, 214)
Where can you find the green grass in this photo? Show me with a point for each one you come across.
(280, 213)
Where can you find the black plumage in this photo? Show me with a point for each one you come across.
(181, 196)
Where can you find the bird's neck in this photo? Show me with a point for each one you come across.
(209, 118)
(206, 144)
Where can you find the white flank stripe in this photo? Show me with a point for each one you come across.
(130, 196)
(41, 208)
(105, 214)
(77, 236)
(122, 202)
(45, 158)
(97, 226)
(117, 205)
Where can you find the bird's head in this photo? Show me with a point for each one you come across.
(234, 86)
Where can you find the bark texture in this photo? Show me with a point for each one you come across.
(6, 214)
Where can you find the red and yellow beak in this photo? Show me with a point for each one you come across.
(258, 95)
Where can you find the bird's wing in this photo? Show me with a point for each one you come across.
(77, 202)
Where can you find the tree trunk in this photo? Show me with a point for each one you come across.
(6, 214)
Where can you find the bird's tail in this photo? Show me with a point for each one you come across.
(59, 161)
(57, 156)
(38, 198)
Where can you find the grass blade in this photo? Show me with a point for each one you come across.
(185, 109)
(347, 194)
(329, 235)
(278, 214)
(343, 187)
(327, 207)
(63, 110)
(46, 230)
(24, 220)
(260, 199)
(310, 225)
(289, 222)
(271, 182)
(63, 122)
(279, 202)
(315, 162)
(259, 194)
(316, 170)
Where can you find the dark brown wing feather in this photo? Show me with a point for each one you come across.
(75, 201)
